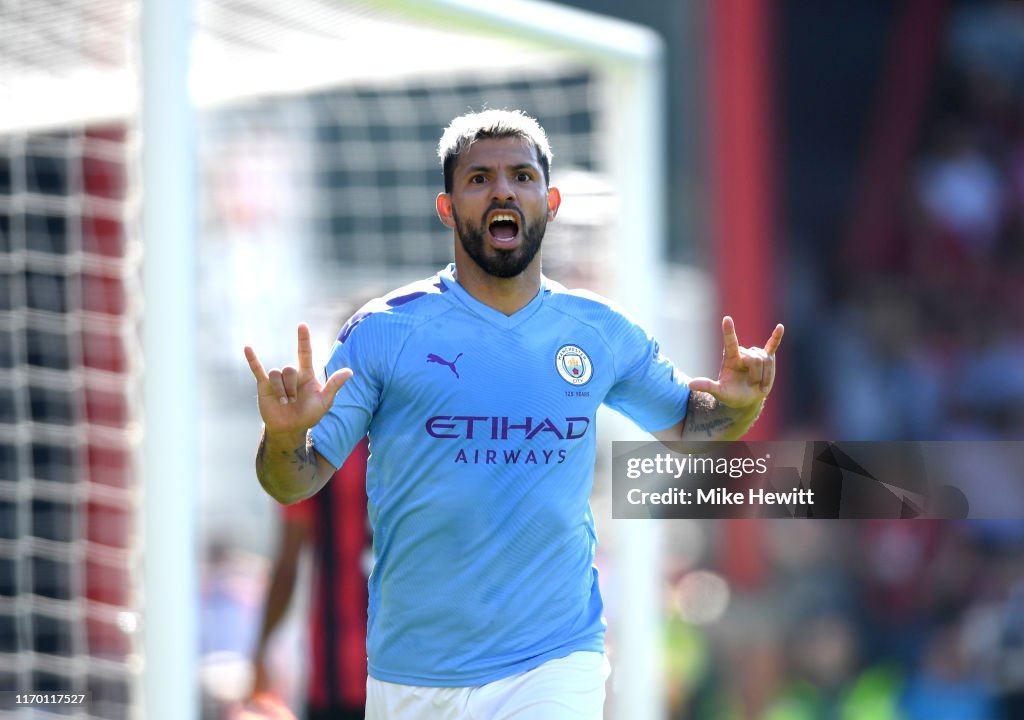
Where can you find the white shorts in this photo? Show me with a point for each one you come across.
(569, 688)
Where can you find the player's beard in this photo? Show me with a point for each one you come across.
(500, 263)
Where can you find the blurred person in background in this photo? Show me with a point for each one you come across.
(229, 605)
(333, 525)
(947, 685)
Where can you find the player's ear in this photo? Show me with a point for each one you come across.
(554, 200)
(444, 209)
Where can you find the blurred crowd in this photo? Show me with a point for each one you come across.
(875, 620)
(928, 330)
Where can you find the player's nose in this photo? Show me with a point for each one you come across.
(503, 190)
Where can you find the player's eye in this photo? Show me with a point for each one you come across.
(477, 179)
(524, 177)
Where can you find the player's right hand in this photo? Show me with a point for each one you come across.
(292, 400)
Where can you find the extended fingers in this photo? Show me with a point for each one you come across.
(334, 383)
(758, 363)
(772, 346)
(255, 365)
(305, 348)
(729, 339)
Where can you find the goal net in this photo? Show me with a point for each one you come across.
(69, 359)
(317, 128)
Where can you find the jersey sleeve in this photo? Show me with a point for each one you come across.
(349, 417)
(648, 388)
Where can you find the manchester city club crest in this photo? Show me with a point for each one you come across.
(574, 365)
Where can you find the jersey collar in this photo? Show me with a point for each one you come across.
(486, 312)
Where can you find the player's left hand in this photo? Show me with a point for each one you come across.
(747, 374)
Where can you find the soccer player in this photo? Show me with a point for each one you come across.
(479, 388)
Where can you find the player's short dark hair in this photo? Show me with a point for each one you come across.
(488, 125)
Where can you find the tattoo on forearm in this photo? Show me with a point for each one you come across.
(299, 458)
(712, 426)
(271, 461)
(707, 418)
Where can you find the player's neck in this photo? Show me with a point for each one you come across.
(506, 295)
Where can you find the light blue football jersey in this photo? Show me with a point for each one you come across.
(482, 445)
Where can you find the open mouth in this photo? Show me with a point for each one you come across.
(504, 228)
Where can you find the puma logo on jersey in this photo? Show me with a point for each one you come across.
(432, 358)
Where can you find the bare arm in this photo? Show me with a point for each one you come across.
(292, 401)
(294, 536)
(288, 467)
(726, 408)
(709, 419)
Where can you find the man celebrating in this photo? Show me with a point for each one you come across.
(479, 388)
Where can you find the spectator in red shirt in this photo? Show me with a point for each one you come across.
(333, 523)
